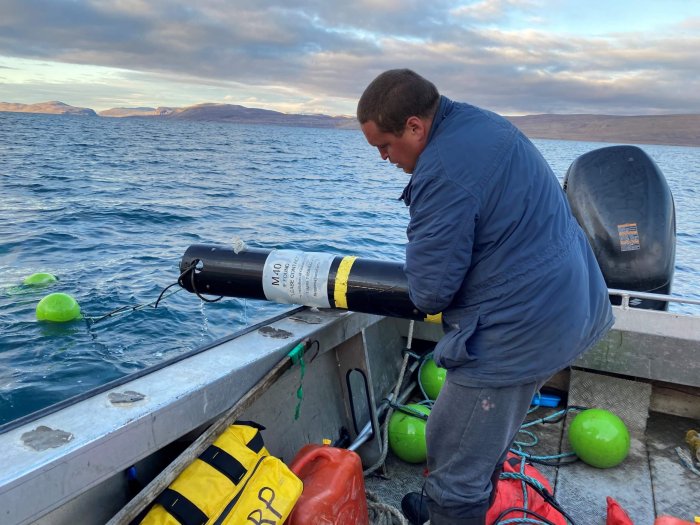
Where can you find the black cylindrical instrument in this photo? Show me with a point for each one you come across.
(297, 277)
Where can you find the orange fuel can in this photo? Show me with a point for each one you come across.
(334, 488)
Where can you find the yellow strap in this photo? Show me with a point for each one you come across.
(433, 318)
(341, 282)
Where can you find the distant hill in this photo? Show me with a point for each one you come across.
(235, 113)
(53, 107)
(137, 112)
(681, 130)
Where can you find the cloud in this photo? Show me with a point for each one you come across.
(495, 10)
(321, 54)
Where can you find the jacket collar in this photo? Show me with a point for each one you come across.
(444, 109)
(441, 114)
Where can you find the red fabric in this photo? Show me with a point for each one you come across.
(616, 514)
(509, 493)
(670, 520)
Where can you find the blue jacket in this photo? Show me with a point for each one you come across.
(492, 244)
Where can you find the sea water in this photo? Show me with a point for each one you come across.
(109, 206)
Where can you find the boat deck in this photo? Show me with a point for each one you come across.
(352, 366)
(651, 482)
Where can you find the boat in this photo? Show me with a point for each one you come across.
(88, 459)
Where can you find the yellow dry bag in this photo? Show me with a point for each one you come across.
(235, 481)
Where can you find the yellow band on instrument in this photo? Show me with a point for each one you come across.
(341, 282)
(433, 318)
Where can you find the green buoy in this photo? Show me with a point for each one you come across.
(432, 377)
(39, 279)
(58, 307)
(407, 434)
(599, 438)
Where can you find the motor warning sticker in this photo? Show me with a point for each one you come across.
(296, 277)
(629, 236)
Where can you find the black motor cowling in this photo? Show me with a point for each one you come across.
(622, 201)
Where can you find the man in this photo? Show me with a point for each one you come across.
(492, 244)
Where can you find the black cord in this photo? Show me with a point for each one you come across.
(110, 314)
(191, 268)
(406, 410)
(553, 463)
(318, 349)
(161, 294)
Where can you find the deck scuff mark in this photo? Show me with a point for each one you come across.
(275, 333)
(43, 438)
(126, 397)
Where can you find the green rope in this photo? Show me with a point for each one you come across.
(297, 356)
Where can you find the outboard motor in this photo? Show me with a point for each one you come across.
(621, 200)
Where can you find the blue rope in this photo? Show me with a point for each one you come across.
(519, 446)
(520, 520)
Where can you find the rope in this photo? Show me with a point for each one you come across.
(554, 460)
(385, 425)
(394, 395)
(526, 480)
(686, 460)
(393, 405)
(381, 513)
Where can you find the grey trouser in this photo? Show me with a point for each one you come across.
(468, 434)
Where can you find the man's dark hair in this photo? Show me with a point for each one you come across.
(394, 96)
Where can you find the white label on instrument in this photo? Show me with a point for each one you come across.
(296, 277)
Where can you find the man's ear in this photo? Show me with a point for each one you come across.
(417, 126)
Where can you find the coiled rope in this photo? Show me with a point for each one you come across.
(383, 514)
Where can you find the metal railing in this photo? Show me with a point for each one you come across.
(627, 294)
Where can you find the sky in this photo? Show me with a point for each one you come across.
(515, 57)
